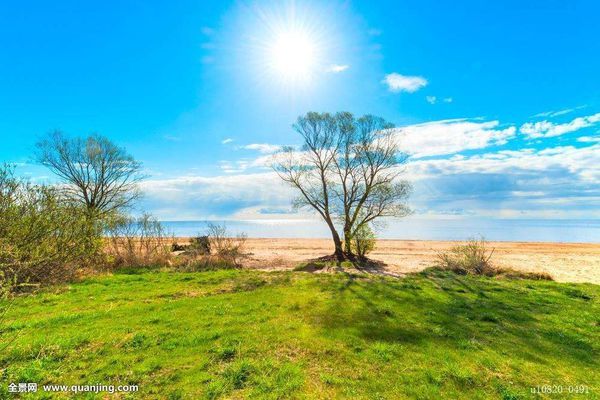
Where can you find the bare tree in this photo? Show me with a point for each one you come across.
(101, 175)
(348, 170)
(309, 171)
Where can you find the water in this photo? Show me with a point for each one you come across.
(522, 230)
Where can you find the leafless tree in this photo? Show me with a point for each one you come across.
(349, 170)
(101, 175)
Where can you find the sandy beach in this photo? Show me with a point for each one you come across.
(566, 262)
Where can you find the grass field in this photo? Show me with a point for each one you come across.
(250, 334)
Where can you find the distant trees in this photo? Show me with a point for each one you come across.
(96, 172)
(348, 170)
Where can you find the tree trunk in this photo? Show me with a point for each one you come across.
(339, 251)
(348, 241)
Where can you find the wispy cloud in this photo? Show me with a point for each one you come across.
(234, 167)
(434, 99)
(226, 141)
(264, 148)
(403, 83)
(559, 112)
(337, 68)
(451, 136)
(545, 129)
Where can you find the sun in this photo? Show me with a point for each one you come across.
(287, 46)
(292, 55)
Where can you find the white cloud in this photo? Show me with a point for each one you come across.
(545, 129)
(264, 148)
(559, 182)
(556, 182)
(234, 167)
(434, 99)
(336, 68)
(589, 139)
(583, 162)
(451, 136)
(559, 112)
(403, 83)
(204, 197)
(551, 183)
(226, 141)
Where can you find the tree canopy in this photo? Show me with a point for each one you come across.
(348, 170)
(101, 175)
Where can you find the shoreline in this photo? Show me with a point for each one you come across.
(533, 242)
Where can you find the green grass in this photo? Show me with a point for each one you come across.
(247, 334)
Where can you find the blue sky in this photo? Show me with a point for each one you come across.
(498, 104)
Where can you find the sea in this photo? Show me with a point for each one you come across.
(521, 230)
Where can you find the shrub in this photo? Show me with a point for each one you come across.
(216, 250)
(363, 241)
(224, 246)
(44, 237)
(178, 247)
(470, 258)
(135, 242)
(200, 245)
(474, 258)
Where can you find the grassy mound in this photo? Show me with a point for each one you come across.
(247, 334)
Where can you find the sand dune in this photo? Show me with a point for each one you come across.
(566, 262)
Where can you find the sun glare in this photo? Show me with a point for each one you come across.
(292, 55)
(289, 46)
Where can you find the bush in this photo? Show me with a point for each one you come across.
(178, 247)
(363, 241)
(216, 250)
(474, 258)
(470, 258)
(135, 242)
(200, 245)
(44, 237)
(230, 249)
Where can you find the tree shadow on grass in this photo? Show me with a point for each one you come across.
(459, 312)
(355, 266)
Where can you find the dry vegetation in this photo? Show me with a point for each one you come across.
(216, 250)
(135, 242)
(474, 258)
